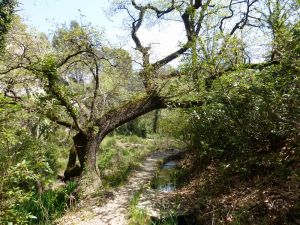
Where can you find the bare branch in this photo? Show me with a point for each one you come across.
(244, 20)
(171, 57)
(65, 60)
(227, 17)
(253, 66)
(136, 24)
(192, 30)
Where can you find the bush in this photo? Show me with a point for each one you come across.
(27, 166)
(42, 208)
(247, 112)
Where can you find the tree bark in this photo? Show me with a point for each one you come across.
(90, 180)
(86, 145)
(155, 121)
(78, 150)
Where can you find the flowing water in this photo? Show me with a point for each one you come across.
(165, 179)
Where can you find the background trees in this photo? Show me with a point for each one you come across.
(71, 74)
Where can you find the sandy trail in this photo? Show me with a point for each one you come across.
(115, 211)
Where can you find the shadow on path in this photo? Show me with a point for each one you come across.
(115, 211)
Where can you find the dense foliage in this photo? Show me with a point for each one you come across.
(28, 167)
(247, 136)
(252, 110)
(7, 9)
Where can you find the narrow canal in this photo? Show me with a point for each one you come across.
(165, 179)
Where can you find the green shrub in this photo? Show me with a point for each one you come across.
(41, 208)
(28, 166)
(247, 112)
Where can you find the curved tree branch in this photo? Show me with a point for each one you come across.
(55, 119)
(134, 109)
(244, 20)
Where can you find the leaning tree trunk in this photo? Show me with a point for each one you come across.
(87, 145)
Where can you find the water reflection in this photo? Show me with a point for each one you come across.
(165, 180)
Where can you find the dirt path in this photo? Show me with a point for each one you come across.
(115, 211)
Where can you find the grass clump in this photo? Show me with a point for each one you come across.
(137, 216)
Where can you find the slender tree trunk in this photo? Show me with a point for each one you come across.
(155, 121)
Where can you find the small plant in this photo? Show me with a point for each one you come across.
(138, 216)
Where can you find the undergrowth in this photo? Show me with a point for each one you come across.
(256, 189)
(41, 208)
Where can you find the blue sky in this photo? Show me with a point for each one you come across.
(44, 15)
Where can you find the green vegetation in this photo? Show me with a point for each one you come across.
(26, 174)
(29, 195)
(42, 208)
(137, 216)
(7, 8)
(122, 154)
(247, 141)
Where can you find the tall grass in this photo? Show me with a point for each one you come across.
(46, 207)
